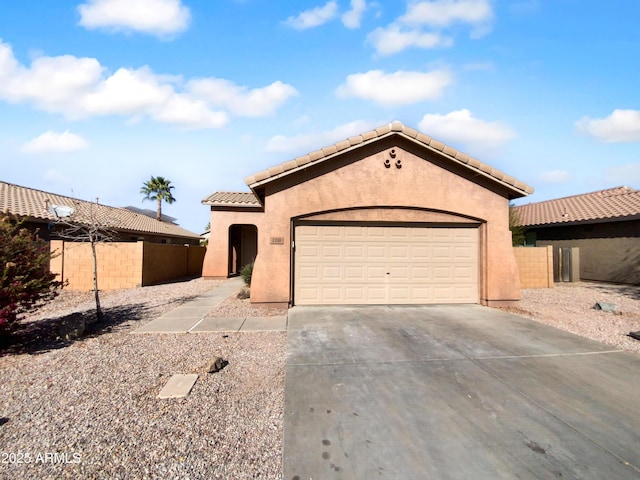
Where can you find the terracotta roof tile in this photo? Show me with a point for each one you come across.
(28, 202)
(611, 204)
(394, 128)
(232, 199)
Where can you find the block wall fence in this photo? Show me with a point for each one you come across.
(124, 264)
(535, 265)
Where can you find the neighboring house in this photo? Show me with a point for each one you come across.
(604, 225)
(391, 216)
(38, 209)
(151, 213)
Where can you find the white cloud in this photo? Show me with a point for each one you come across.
(314, 141)
(621, 126)
(127, 92)
(394, 39)
(155, 17)
(53, 142)
(628, 174)
(424, 23)
(314, 17)
(443, 13)
(399, 88)
(81, 87)
(351, 19)
(242, 100)
(460, 127)
(53, 84)
(189, 113)
(555, 176)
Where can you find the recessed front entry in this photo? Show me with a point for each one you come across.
(349, 264)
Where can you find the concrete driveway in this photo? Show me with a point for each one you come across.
(454, 392)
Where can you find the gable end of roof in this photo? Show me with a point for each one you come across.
(521, 189)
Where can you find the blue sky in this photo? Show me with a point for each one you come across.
(96, 96)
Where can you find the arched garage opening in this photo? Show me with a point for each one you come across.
(243, 247)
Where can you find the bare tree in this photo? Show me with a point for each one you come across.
(87, 222)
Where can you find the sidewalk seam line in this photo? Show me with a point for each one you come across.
(195, 325)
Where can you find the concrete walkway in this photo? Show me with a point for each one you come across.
(190, 316)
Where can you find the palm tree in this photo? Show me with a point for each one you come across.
(158, 188)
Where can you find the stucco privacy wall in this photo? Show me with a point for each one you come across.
(606, 259)
(161, 262)
(357, 186)
(535, 265)
(124, 264)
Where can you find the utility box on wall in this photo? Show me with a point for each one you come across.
(566, 264)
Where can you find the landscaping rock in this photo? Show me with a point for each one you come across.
(216, 364)
(244, 293)
(605, 307)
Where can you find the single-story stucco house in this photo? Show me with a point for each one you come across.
(391, 216)
(603, 225)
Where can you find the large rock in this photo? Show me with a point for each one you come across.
(244, 293)
(216, 364)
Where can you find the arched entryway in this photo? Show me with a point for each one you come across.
(243, 247)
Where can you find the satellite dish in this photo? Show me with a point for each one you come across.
(61, 211)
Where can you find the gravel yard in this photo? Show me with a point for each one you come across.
(569, 306)
(89, 409)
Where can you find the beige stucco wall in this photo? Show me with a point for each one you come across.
(119, 265)
(216, 260)
(124, 264)
(535, 266)
(162, 262)
(606, 259)
(419, 191)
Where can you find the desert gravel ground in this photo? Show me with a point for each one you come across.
(569, 306)
(89, 409)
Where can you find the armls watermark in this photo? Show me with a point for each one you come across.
(51, 458)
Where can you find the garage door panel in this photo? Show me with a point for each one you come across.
(354, 273)
(354, 252)
(331, 273)
(375, 252)
(385, 265)
(419, 252)
(376, 295)
(463, 274)
(375, 273)
(399, 252)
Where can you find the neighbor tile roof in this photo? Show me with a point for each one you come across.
(396, 127)
(612, 204)
(232, 199)
(28, 202)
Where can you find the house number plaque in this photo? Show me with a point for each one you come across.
(277, 240)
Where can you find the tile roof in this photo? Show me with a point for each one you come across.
(28, 202)
(232, 199)
(521, 189)
(604, 205)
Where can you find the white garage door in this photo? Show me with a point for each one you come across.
(339, 265)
